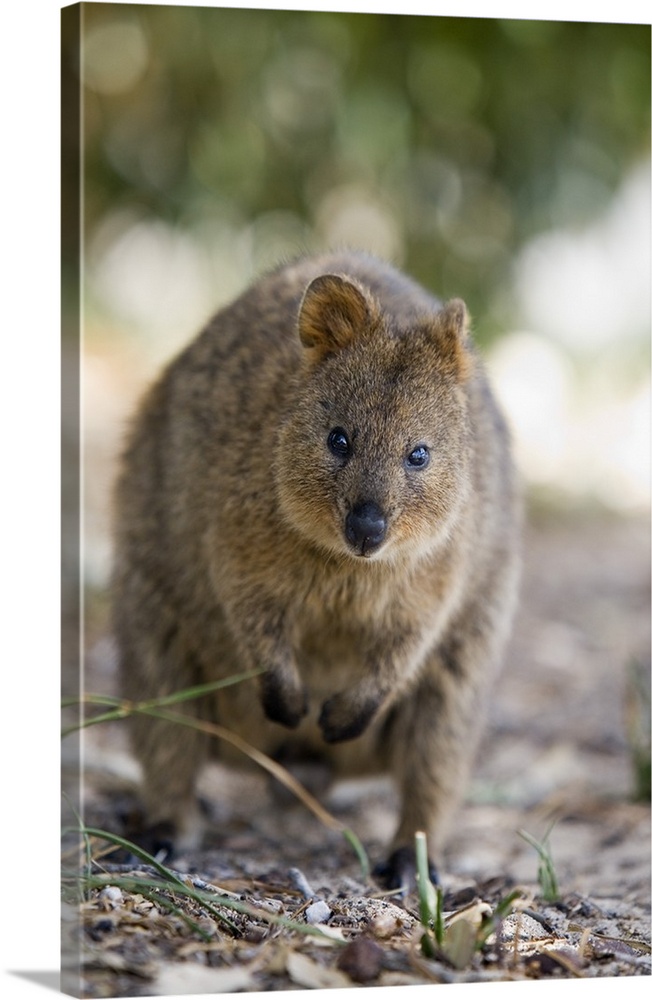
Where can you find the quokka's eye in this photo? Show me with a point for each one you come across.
(338, 442)
(418, 457)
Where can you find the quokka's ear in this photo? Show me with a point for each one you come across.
(452, 334)
(333, 313)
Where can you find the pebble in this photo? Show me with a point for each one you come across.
(362, 960)
(318, 912)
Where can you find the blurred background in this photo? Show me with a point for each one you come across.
(503, 161)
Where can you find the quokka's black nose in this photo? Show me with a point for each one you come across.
(365, 527)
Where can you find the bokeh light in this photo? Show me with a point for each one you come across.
(503, 161)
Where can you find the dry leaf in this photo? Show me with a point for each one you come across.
(474, 913)
(304, 971)
(329, 935)
(178, 979)
(459, 943)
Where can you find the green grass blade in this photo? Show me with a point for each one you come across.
(359, 850)
(122, 709)
(430, 897)
(546, 874)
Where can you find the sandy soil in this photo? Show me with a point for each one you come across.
(571, 706)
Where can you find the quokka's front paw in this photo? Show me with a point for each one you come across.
(160, 840)
(343, 717)
(399, 871)
(283, 702)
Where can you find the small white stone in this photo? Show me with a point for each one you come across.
(318, 912)
(112, 895)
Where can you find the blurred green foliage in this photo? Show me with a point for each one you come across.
(451, 140)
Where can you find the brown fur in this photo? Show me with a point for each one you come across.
(242, 538)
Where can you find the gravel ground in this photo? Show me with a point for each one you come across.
(569, 712)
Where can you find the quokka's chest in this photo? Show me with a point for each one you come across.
(339, 632)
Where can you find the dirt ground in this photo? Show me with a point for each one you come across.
(571, 707)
